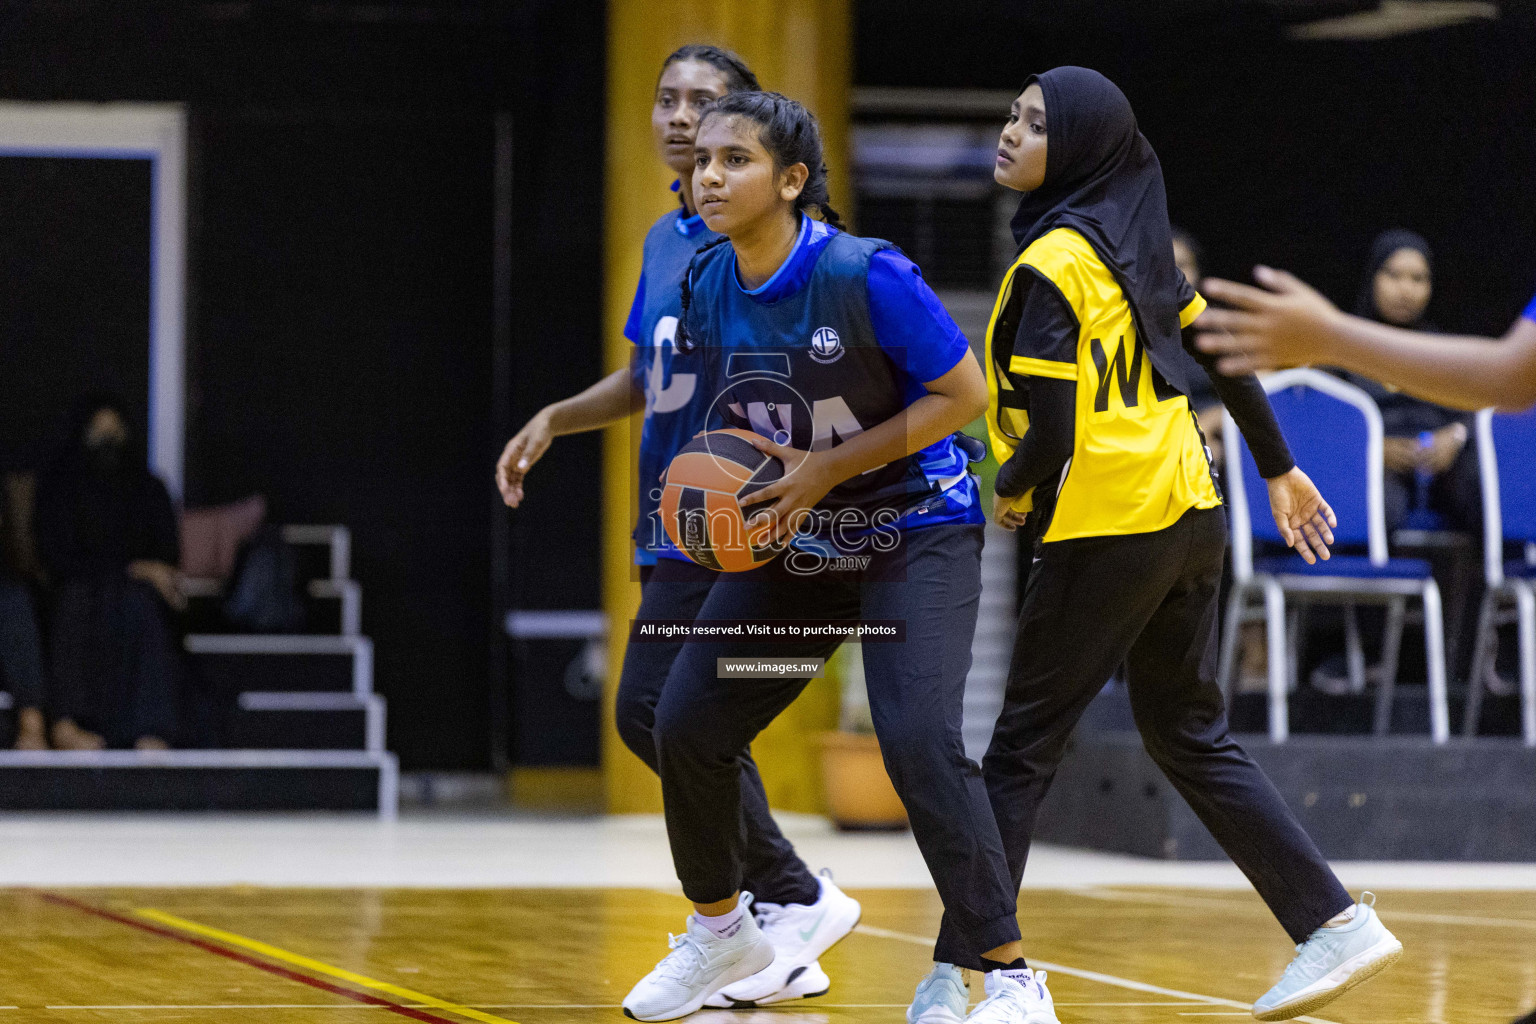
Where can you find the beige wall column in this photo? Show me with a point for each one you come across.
(797, 47)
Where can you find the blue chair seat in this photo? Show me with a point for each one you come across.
(1519, 568)
(1356, 567)
(1424, 519)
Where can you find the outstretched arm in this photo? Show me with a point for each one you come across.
(609, 400)
(1303, 517)
(1288, 323)
(1244, 398)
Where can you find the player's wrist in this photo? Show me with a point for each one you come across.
(829, 467)
(822, 469)
(1348, 341)
(553, 419)
(1281, 479)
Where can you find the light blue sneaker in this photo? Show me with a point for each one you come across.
(941, 997)
(1331, 962)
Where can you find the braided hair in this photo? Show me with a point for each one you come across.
(738, 77)
(684, 340)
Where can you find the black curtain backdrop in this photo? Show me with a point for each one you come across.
(74, 296)
(341, 250)
(340, 291)
(1294, 153)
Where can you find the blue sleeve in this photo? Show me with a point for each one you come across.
(636, 312)
(1530, 311)
(910, 321)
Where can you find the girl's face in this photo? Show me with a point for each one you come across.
(735, 184)
(1402, 287)
(1021, 149)
(687, 89)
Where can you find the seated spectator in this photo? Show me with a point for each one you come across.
(1430, 463)
(107, 539)
(21, 663)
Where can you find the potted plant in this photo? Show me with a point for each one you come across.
(858, 791)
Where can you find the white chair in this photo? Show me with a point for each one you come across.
(1508, 443)
(1334, 430)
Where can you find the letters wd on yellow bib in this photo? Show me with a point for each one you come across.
(1138, 462)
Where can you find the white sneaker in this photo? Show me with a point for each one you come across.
(941, 997)
(1331, 962)
(804, 983)
(1020, 999)
(800, 933)
(699, 964)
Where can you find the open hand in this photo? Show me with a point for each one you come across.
(1304, 518)
(776, 510)
(1282, 324)
(518, 457)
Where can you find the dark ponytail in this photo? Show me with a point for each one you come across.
(791, 135)
(684, 341)
(738, 77)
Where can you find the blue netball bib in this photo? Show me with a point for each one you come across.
(797, 360)
(675, 405)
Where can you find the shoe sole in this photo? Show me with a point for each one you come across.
(754, 1004)
(1318, 1000)
(937, 1017)
(748, 1003)
(773, 998)
(697, 1003)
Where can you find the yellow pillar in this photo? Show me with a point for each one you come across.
(802, 49)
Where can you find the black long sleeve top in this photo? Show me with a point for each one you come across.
(1048, 443)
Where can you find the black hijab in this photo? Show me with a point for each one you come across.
(1401, 415)
(1387, 243)
(98, 507)
(1103, 180)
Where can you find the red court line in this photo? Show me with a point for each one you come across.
(281, 972)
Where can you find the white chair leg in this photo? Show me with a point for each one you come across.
(1392, 636)
(1232, 633)
(1274, 615)
(1525, 602)
(1354, 652)
(1391, 647)
(1434, 654)
(1485, 645)
(1293, 648)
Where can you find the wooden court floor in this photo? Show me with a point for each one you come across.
(551, 956)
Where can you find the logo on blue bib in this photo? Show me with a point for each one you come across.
(826, 346)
